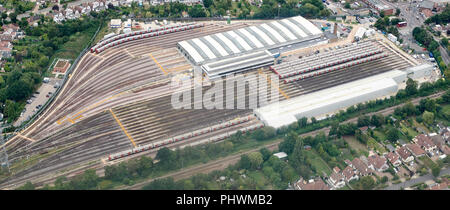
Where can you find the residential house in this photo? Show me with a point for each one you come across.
(5, 52)
(364, 129)
(415, 150)
(425, 142)
(440, 186)
(361, 168)
(375, 162)
(313, 184)
(349, 174)
(336, 180)
(405, 154)
(394, 159)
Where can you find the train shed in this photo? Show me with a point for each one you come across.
(238, 47)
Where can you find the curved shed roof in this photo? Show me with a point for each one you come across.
(253, 38)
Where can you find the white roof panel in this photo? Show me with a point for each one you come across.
(266, 38)
(204, 48)
(214, 43)
(273, 32)
(194, 54)
(252, 38)
(228, 43)
(241, 41)
(284, 30)
(308, 25)
(295, 27)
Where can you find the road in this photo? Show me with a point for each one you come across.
(225, 162)
(444, 55)
(417, 180)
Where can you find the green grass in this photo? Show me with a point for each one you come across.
(410, 131)
(427, 161)
(380, 136)
(344, 188)
(372, 143)
(355, 144)
(320, 165)
(259, 178)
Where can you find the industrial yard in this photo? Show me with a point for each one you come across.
(117, 100)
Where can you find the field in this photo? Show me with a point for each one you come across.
(372, 143)
(405, 129)
(355, 144)
(318, 162)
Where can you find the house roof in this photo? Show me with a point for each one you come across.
(403, 152)
(377, 161)
(415, 149)
(336, 169)
(424, 141)
(348, 172)
(392, 157)
(336, 177)
(348, 162)
(361, 167)
(316, 184)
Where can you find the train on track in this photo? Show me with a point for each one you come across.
(135, 35)
(186, 136)
(338, 67)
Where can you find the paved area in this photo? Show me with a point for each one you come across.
(417, 180)
(38, 99)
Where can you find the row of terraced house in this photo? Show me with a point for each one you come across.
(432, 145)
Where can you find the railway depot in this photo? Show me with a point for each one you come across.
(117, 101)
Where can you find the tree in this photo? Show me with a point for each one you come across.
(302, 122)
(411, 87)
(377, 120)
(256, 159)
(245, 162)
(55, 7)
(409, 109)
(13, 17)
(397, 12)
(27, 186)
(197, 11)
(287, 145)
(384, 179)
(363, 121)
(366, 183)
(208, 3)
(265, 153)
(428, 117)
(347, 5)
(392, 134)
(435, 170)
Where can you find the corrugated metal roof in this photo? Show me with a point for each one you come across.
(192, 52)
(219, 47)
(204, 48)
(268, 35)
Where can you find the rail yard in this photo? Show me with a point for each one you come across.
(117, 101)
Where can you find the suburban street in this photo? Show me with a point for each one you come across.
(417, 180)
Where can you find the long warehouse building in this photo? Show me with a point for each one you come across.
(328, 101)
(235, 46)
